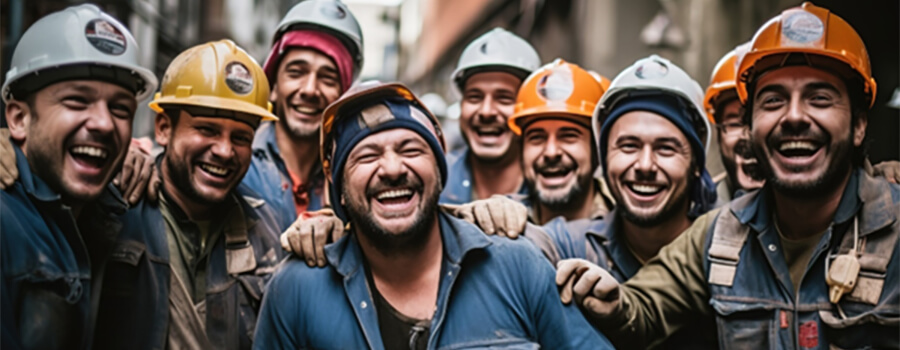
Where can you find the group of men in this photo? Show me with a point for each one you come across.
(298, 208)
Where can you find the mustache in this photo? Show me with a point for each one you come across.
(744, 149)
(782, 133)
(551, 166)
(401, 182)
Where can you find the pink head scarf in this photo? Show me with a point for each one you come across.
(316, 40)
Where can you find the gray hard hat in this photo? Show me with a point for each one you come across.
(80, 42)
(497, 50)
(333, 17)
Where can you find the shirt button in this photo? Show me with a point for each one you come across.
(772, 247)
(363, 304)
(465, 183)
(449, 273)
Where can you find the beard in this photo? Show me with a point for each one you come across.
(835, 172)
(411, 239)
(177, 173)
(561, 202)
(296, 129)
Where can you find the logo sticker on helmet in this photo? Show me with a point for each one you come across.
(105, 37)
(238, 78)
(556, 85)
(335, 11)
(802, 28)
(651, 70)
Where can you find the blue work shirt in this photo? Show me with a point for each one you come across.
(47, 287)
(494, 292)
(268, 176)
(458, 189)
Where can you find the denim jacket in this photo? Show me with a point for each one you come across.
(494, 293)
(46, 289)
(458, 189)
(761, 309)
(134, 309)
(599, 242)
(268, 176)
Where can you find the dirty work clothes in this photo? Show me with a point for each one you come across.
(603, 243)
(760, 309)
(50, 264)
(268, 176)
(135, 313)
(459, 180)
(494, 292)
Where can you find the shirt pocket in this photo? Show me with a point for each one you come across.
(865, 325)
(122, 274)
(745, 324)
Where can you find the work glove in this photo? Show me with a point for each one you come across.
(889, 170)
(307, 236)
(8, 170)
(594, 290)
(138, 173)
(496, 215)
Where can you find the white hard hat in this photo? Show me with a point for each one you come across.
(80, 42)
(331, 16)
(497, 49)
(655, 74)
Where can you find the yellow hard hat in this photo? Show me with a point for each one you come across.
(218, 75)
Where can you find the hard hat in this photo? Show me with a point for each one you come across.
(655, 75)
(331, 16)
(497, 50)
(80, 42)
(559, 90)
(814, 32)
(218, 75)
(604, 82)
(723, 79)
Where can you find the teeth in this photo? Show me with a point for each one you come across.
(645, 188)
(490, 130)
(214, 169)
(394, 194)
(797, 145)
(306, 110)
(90, 151)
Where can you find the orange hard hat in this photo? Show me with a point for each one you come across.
(814, 32)
(560, 90)
(723, 79)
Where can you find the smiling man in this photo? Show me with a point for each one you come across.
(189, 272)
(488, 76)
(70, 100)
(553, 111)
(316, 55)
(809, 260)
(409, 276)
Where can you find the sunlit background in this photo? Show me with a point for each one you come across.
(418, 41)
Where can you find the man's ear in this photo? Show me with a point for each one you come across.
(163, 129)
(272, 95)
(18, 118)
(859, 128)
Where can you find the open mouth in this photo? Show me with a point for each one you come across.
(792, 149)
(307, 110)
(214, 170)
(489, 131)
(556, 175)
(645, 189)
(394, 196)
(90, 155)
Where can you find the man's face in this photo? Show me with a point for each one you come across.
(489, 98)
(649, 168)
(76, 135)
(391, 188)
(306, 83)
(802, 130)
(205, 157)
(556, 159)
(734, 145)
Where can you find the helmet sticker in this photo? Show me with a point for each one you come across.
(557, 85)
(802, 27)
(105, 37)
(238, 78)
(335, 11)
(652, 69)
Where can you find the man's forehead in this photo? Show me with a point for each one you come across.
(215, 120)
(646, 124)
(309, 56)
(389, 137)
(798, 77)
(492, 80)
(554, 123)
